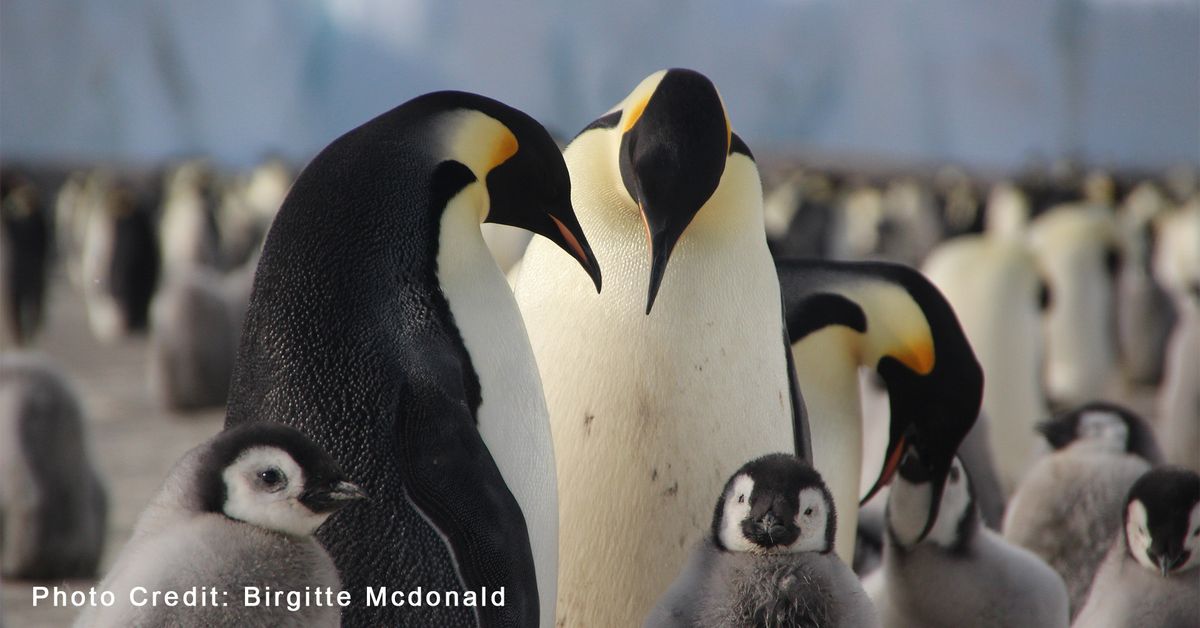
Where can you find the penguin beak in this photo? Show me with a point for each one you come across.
(333, 497)
(671, 158)
(568, 235)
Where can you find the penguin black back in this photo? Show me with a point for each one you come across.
(350, 338)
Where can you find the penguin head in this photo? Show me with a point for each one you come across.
(272, 476)
(934, 381)
(1102, 426)
(520, 166)
(671, 138)
(908, 507)
(1162, 520)
(773, 505)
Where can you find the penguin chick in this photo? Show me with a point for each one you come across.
(961, 573)
(237, 511)
(53, 506)
(1149, 577)
(1067, 508)
(769, 558)
(195, 324)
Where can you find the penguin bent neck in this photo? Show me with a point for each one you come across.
(512, 416)
(652, 413)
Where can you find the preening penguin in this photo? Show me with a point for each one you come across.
(53, 507)
(676, 374)
(237, 511)
(961, 574)
(846, 315)
(1150, 575)
(381, 327)
(769, 559)
(1068, 508)
(997, 293)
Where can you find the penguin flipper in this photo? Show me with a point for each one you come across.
(800, 428)
(452, 478)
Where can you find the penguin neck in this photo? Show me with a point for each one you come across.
(827, 373)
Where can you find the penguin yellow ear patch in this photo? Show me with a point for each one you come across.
(506, 146)
(917, 356)
(635, 113)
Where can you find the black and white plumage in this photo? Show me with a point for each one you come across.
(381, 327)
(1067, 509)
(1150, 576)
(1177, 268)
(961, 574)
(53, 506)
(120, 261)
(769, 558)
(237, 511)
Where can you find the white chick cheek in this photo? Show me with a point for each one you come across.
(1138, 535)
(812, 518)
(737, 508)
(1192, 542)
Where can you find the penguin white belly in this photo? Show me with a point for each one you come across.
(651, 414)
(512, 417)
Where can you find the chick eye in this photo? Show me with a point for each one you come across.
(953, 474)
(272, 479)
(741, 499)
(808, 511)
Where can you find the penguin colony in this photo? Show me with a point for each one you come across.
(401, 414)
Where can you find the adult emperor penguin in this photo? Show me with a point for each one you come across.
(380, 326)
(1068, 507)
(1076, 247)
(1149, 576)
(845, 315)
(993, 283)
(769, 559)
(1177, 267)
(235, 515)
(674, 376)
(1145, 312)
(961, 574)
(120, 261)
(53, 506)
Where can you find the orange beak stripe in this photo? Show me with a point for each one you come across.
(571, 241)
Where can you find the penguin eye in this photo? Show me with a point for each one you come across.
(953, 474)
(742, 498)
(808, 511)
(272, 479)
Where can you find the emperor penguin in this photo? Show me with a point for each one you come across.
(188, 235)
(769, 559)
(843, 316)
(236, 515)
(247, 208)
(120, 262)
(53, 505)
(1145, 312)
(1177, 267)
(1068, 507)
(380, 326)
(25, 254)
(1076, 247)
(676, 374)
(1149, 576)
(961, 574)
(998, 295)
